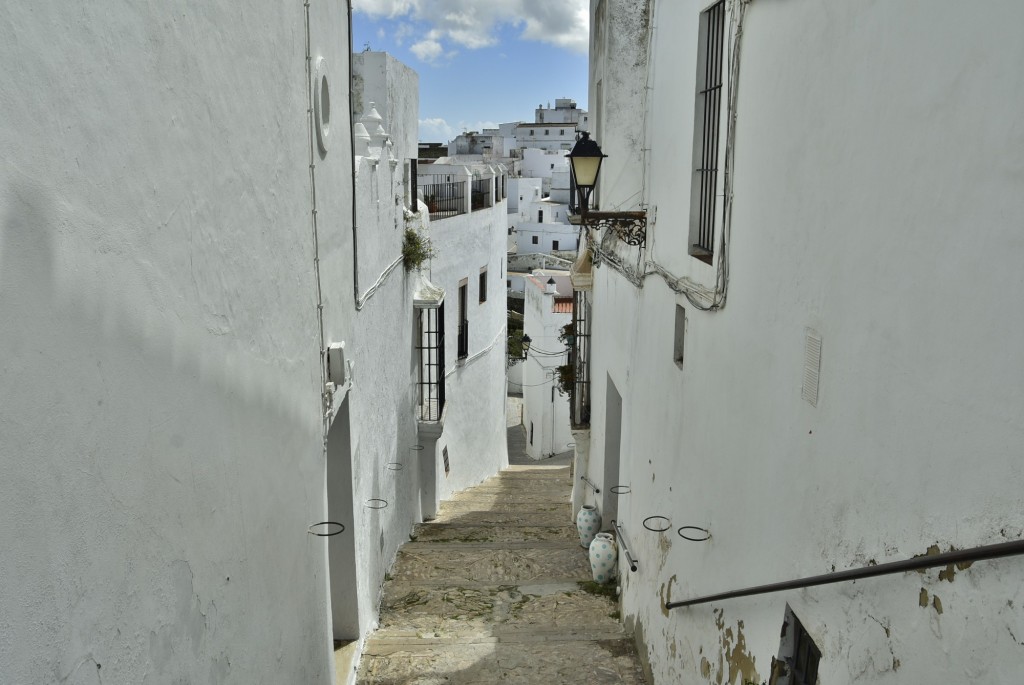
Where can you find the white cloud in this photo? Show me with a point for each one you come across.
(436, 130)
(472, 23)
(427, 50)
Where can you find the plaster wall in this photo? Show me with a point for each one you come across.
(379, 77)
(161, 432)
(545, 409)
(382, 395)
(915, 439)
(546, 234)
(474, 425)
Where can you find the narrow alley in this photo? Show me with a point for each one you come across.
(497, 589)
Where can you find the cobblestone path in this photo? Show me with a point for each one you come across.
(491, 592)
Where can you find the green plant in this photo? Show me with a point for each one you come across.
(566, 378)
(416, 249)
(567, 335)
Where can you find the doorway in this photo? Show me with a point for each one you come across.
(341, 554)
(612, 449)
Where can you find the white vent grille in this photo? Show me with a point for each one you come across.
(812, 365)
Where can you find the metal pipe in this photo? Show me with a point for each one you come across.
(352, 154)
(621, 534)
(597, 490)
(1002, 549)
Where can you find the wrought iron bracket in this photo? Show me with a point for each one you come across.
(629, 227)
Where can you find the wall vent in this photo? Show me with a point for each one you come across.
(812, 365)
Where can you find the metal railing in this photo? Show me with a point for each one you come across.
(444, 197)
(482, 193)
(624, 546)
(579, 358)
(430, 382)
(711, 96)
(959, 556)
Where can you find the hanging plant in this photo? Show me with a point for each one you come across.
(416, 249)
(567, 335)
(566, 376)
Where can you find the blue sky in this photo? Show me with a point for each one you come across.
(480, 62)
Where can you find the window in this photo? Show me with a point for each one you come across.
(677, 347)
(547, 132)
(508, 284)
(561, 131)
(540, 216)
(707, 111)
(554, 244)
(552, 166)
(510, 230)
(579, 357)
(535, 240)
(463, 322)
(531, 432)
(799, 652)
(430, 346)
(483, 284)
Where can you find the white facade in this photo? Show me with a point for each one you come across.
(875, 211)
(470, 265)
(162, 421)
(564, 112)
(542, 164)
(548, 307)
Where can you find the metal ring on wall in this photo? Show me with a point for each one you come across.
(668, 524)
(707, 534)
(341, 529)
(376, 503)
(418, 448)
(620, 490)
(394, 466)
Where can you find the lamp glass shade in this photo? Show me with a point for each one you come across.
(585, 169)
(526, 344)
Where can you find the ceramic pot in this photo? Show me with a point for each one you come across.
(588, 523)
(603, 557)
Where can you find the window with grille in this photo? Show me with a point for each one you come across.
(430, 347)
(579, 357)
(483, 285)
(706, 130)
(554, 244)
(535, 240)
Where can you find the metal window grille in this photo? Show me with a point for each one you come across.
(430, 347)
(800, 653)
(709, 101)
(579, 357)
(482, 189)
(444, 198)
(414, 192)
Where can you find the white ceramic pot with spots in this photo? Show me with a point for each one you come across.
(588, 524)
(603, 557)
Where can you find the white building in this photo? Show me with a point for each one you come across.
(162, 356)
(180, 264)
(813, 353)
(548, 308)
(564, 112)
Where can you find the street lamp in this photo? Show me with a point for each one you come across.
(585, 159)
(525, 345)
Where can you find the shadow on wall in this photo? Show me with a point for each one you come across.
(112, 414)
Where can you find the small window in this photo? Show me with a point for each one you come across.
(535, 240)
(561, 131)
(520, 198)
(552, 166)
(554, 244)
(510, 230)
(540, 216)
(483, 285)
(508, 284)
(677, 347)
(798, 651)
(531, 432)
(547, 132)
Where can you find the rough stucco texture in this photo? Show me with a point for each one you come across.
(161, 441)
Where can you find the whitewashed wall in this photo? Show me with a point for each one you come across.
(876, 203)
(161, 439)
(474, 426)
(545, 409)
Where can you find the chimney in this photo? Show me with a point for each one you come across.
(551, 289)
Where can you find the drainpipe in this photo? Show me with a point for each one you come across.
(352, 155)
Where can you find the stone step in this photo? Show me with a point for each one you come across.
(478, 518)
(417, 610)
(542, 660)
(471, 534)
(498, 566)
